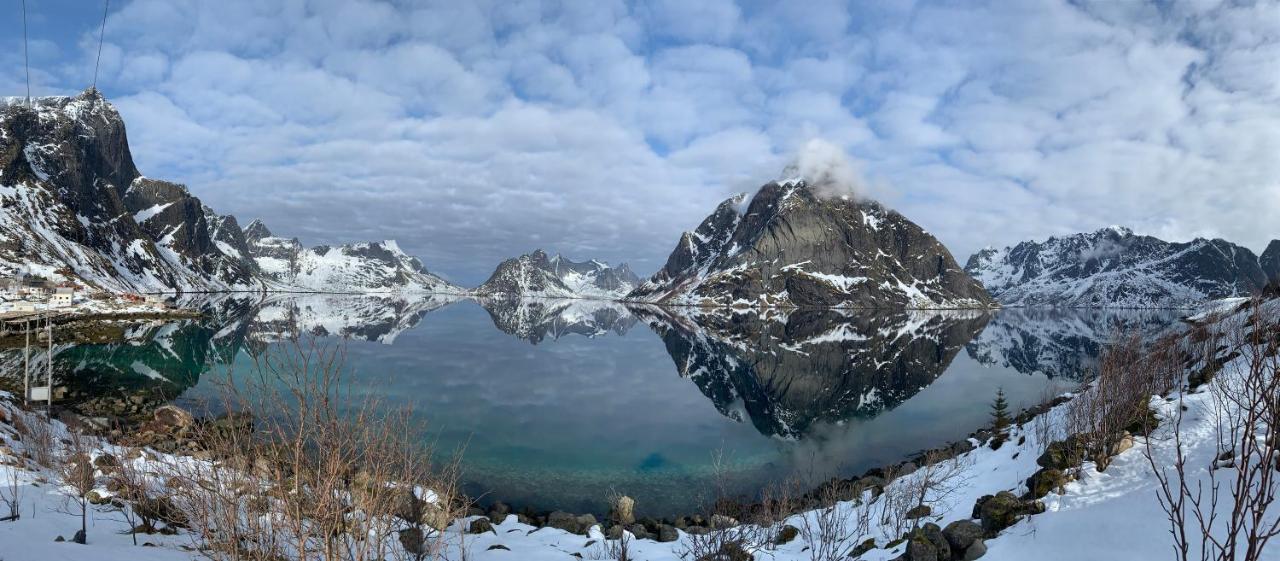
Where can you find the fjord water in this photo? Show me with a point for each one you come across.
(558, 402)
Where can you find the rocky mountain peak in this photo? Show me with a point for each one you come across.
(257, 230)
(789, 246)
(1270, 262)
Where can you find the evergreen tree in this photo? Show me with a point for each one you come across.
(1000, 413)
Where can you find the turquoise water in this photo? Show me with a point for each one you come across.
(555, 403)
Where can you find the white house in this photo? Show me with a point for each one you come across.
(63, 296)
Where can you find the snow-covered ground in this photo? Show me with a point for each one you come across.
(1102, 515)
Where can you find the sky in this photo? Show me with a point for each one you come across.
(475, 131)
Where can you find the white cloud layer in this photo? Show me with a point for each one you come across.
(473, 131)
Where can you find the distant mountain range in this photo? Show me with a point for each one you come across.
(538, 275)
(1113, 267)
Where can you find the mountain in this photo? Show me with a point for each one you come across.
(789, 247)
(73, 206)
(539, 275)
(787, 373)
(1113, 267)
(1270, 262)
(374, 267)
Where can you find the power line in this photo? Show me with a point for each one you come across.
(102, 33)
(26, 61)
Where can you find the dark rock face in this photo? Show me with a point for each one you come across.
(791, 248)
(814, 366)
(1113, 267)
(539, 275)
(72, 199)
(1270, 262)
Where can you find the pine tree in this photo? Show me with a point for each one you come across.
(1000, 413)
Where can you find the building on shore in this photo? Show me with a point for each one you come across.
(63, 296)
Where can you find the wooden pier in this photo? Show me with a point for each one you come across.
(17, 323)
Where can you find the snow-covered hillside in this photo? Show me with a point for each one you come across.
(789, 246)
(375, 267)
(1113, 267)
(538, 275)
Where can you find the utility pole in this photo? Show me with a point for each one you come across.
(48, 322)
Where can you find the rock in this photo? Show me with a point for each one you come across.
(1045, 481)
(96, 498)
(918, 511)
(907, 468)
(413, 541)
(1125, 443)
(173, 417)
(480, 526)
(787, 534)
(586, 521)
(80, 537)
(729, 551)
(105, 460)
(614, 532)
(720, 521)
(1000, 511)
(640, 532)
(933, 533)
(1062, 454)
(919, 548)
(498, 512)
(622, 511)
(59, 539)
(975, 550)
(867, 545)
(962, 533)
(667, 533)
(498, 546)
(564, 521)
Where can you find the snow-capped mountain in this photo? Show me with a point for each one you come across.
(1113, 267)
(790, 247)
(73, 206)
(789, 372)
(374, 267)
(539, 275)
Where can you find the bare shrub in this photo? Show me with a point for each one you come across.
(78, 478)
(912, 498)
(1042, 425)
(736, 525)
(306, 468)
(11, 493)
(840, 522)
(1129, 374)
(1245, 415)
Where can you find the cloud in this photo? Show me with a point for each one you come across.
(829, 171)
(473, 131)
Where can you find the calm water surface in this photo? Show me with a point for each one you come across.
(558, 402)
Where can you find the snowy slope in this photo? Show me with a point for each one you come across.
(789, 246)
(538, 275)
(1113, 267)
(374, 267)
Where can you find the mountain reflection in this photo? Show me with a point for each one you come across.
(784, 373)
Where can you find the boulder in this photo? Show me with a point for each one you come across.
(173, 417)
(786, 534)
(729, 551)
(105, 460)
(720, 521)
(413, 541)
(565, 521)
(933, 533)
(1000, 511)
(961, 534)
(918, 511)
(975, 550)
(667, 533)
(498, 512)
(480, 526)
(1062, 454)
(1045, 481)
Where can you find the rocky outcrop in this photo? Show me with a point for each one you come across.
(787, 246)
(539, 275)
(74, 206)
(1113, 267)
